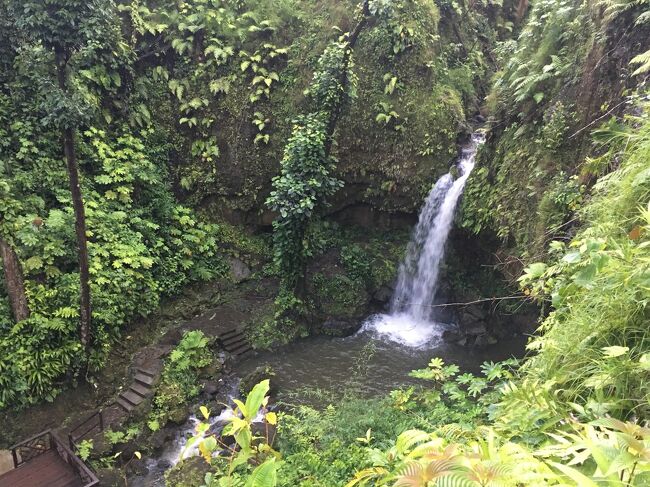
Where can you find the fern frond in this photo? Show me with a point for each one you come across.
(644, 60)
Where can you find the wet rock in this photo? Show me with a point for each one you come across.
(485, 340)
(161, 438)
(452, 336)
(216, 407)
(383, 294)
(263, 430)
(239, 271)
(137, 468)
(210, 388)
(164, 465)
(109, 477)
(190, 472)
(179, 415)
(472, 314)
(172, 337)
(211, 371)
(255, 377)
(476, 329)
(340, 328)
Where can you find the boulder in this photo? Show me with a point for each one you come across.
(472, 314)
(189, 472)
(179, 415)
(476, 329)
(210, 388)
(109, 477)
(452, 336)
(255, 377)
(340, 327)
(383, 294)
(161, 438)
(239, 271)
(485, 340)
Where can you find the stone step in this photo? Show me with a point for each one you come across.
(140, 370)
(234, 342)
(140, 389)
(227, 333)
(124, 404)
(145, 380)
(241, 350)
(131, 397)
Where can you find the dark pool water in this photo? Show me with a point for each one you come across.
(373, 363)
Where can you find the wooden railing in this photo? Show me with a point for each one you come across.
(45, 441)
(31, 448)
(92, 423)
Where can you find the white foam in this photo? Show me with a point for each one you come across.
(403, 329)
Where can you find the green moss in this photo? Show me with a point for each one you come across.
(340, 295)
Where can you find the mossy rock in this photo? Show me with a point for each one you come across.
(255, 377)
(189, 473)
(340, 296)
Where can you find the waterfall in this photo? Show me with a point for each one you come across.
(411, 316)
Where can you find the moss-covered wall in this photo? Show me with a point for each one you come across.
(564, 77)
(416, 88)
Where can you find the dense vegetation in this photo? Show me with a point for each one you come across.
(142, 141)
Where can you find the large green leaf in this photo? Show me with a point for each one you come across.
(265, 475)
(575, 475)
(255, 399)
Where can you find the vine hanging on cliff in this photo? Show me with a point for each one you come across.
(305, 180)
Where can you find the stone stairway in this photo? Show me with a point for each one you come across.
(235, 342)
(139, 390)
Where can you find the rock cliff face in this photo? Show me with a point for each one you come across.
(416, 83)
(533, 172)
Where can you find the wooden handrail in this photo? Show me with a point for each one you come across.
(26, 445)
(53, 442)
(72, 459)
(73, 437)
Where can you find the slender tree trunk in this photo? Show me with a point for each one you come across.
(79, 214)
(14, 281)
(522, 7)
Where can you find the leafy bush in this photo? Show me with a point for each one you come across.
(180, 375)
(594, 343)
(142, 244)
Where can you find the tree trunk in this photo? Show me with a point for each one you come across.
(14, 281)
(521, 10)
(79, 214)
(82, 243)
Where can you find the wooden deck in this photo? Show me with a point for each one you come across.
(45, 461)
(45, 470)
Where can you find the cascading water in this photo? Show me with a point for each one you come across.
(410, 321)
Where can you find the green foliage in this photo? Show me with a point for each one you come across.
(142, 245)
(596, 286)
(304, 181)
(339, 295)
(589, 455)
(117, 437)
(180, 375)
(254, 462)
(84, 448)
(536, 178)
